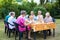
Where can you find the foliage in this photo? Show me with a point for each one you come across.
(43, 9)
(7, 6)
(48, 6)
(53, 8)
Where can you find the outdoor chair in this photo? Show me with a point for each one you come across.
(16, 30)
(6, 27)
(10, 30)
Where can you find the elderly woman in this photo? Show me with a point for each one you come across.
(40, 17)
(32, 14)
(31, 19)
(5, 21)
(11, 19)
(6, 18)
(22, 21)
(48, 19)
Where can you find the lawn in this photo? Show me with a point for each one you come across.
(3, 36)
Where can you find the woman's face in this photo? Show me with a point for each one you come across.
(47, 14)
(32, 13)
(24, 15)
(39, 12)
(14, 15)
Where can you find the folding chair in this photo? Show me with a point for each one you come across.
(10, 30)
(5, 26)
(16, 29)
(53, 29)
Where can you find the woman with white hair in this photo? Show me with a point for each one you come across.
(48, 19)
(11, 19)
(6, 20)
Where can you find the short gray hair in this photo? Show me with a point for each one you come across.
(23, 12)
(11, 13)
(47, 13)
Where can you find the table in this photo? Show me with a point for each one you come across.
(42, 27)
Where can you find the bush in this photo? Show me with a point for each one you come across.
(8, 6)
(43, 9)
(2, 12)
(53, 9)
(48, 6)
(57, 17)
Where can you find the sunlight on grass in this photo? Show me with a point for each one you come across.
(57, 21)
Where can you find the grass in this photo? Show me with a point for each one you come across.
(3, 36)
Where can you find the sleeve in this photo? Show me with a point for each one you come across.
(45, 19)
(35, 18)
(42, 17)
(8, 19)
(22, 20)
(14, 20)
(51, 19)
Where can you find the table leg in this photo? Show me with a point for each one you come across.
(34, 35)
(44, 33)
(53, 32)
(26, 33)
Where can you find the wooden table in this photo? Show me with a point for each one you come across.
(42, 27)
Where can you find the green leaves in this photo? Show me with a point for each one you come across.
(43, 9)
(18, 0)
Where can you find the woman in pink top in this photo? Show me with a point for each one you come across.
(21, 21)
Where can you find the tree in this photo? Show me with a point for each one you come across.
(42, 2)
(58, 3)
(18, 0)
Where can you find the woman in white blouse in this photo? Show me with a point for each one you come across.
(40, 17)
(12, 19)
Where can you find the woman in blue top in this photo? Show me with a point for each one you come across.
(5, 21)
(6, 18)
(32, 14)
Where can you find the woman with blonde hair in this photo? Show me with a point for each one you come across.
(31, 19)
(32, 14)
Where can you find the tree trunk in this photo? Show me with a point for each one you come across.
(42, 2)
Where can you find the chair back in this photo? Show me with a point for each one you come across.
(53, 19)
(16, 25)
(6, 23)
